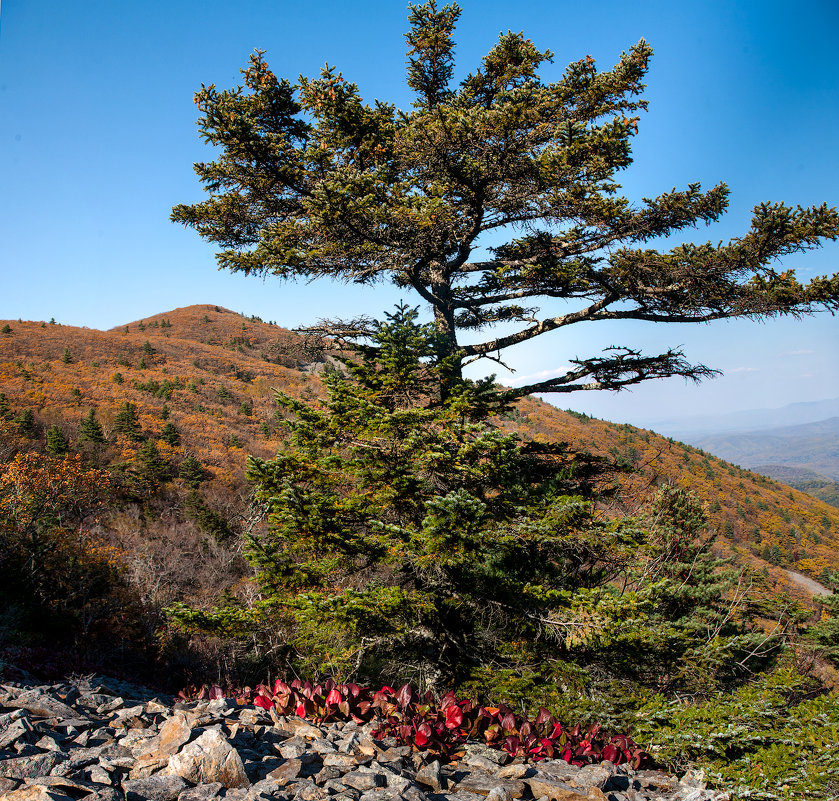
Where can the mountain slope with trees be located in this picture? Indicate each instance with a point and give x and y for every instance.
(171, 406)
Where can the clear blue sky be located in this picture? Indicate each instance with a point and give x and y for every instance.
(98, 140)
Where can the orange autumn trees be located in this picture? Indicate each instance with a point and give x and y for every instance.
(61, 585)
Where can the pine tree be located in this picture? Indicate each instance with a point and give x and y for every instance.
(66, 356)
(127, 422)
(170, 434)
(56, 442)
(312, 182)
(152, 467)
(410, 537)
(191, 471)
(90, 429)
(25, 421)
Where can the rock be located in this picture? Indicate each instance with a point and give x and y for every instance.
(499, 793)
(174, 733)
(202, 792)
(494, 755)
(430, 776)
(557, 769)
(154, 788)
(515, 771)
(341, 761)
(326, 774)
(99, 775)
(311, 792)
(479, 762)
(286, 772)
(37, 792)
(301, 728)
(555, 790)
(591, 776)
(210, 758)
(694, 778)
(482, 783)
(7, 785)
(47, 743)
(42, 705)
(18, 730)
(30, 767)
(364, 781)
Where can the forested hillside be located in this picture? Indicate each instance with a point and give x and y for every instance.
(182, 398)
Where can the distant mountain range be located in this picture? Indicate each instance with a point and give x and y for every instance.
(691, 429)
(811, 446)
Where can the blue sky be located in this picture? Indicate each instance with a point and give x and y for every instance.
(98, 140)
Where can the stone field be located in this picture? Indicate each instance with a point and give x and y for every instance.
(102, 739)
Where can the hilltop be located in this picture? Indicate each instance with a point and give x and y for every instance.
(201, 380)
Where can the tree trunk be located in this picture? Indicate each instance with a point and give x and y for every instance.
(444, 320)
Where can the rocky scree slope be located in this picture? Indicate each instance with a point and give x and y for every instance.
(101, 739)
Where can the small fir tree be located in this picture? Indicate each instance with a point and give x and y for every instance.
(152, 467)
(127, 422)
(191, 471)
(90, 429)
(56, 442)
(170, 435)
(25, 420)
(410, 537)
(66, 356)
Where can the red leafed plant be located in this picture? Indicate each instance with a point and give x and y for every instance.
(439, 727)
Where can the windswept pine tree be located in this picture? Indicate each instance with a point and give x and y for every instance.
(311, 181)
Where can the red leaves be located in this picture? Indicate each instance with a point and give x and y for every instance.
(442, 726)
(454, 717)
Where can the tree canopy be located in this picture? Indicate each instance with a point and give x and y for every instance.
(312, 181)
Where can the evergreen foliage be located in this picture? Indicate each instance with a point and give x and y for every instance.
(410, 538)
(25, 421)
(212, 523)
(56, 442)
(310, 181)
(152, 467)
(66, 356)
(127, 422)
(90, 429)
(170, 435)
(191, 471)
